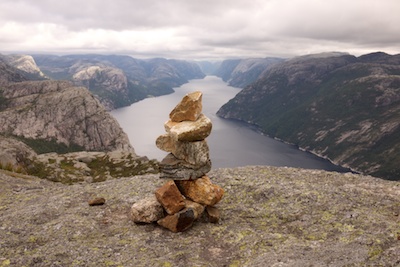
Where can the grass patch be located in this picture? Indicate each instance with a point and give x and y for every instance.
(41, 146)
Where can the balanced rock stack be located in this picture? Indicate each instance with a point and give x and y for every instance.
(188, 192)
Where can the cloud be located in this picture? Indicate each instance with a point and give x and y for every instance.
(200, 29)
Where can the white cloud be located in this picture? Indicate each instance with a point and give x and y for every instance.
(200, 29)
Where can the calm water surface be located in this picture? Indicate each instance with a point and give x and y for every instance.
(231, 143)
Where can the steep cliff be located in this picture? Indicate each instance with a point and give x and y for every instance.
(56, 111)
(109, 84)
(120, 80)
(25, 63)
(342, 107)
(242, 72)
(9, 74)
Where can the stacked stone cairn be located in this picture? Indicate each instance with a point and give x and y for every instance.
(188, 193)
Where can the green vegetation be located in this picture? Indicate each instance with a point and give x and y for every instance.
(11, 168)
(38, 169)
(102, 167)
(3, 101)
(69, 169)
(42, 146)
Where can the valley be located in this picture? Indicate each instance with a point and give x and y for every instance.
(340, 107)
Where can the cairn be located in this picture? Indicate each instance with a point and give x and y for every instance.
(188, 192)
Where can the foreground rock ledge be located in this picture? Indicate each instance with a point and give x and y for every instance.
(271, 216)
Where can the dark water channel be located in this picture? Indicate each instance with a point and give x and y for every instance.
(231, 143)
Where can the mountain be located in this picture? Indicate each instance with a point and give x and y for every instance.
(119, 80)
(9, 73)
(208, 67)
(24, 63)
(242, 72)
(59, 111)
(44, 116)
(340, 107)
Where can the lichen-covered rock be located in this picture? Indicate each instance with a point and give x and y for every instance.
(170, 197)
(147, 210)
(177, 169)
(271, 217)
(189, 109)
(190, 131)
(201, 190)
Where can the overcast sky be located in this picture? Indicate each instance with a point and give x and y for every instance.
(200, 29)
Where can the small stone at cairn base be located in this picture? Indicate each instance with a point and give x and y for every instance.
(147, 210)
(213, 214)
(178, 222)
(197, 208)
(170, 197)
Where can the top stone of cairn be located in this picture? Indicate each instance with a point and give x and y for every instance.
(189, 109)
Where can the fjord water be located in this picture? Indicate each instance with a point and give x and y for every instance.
(231, 143)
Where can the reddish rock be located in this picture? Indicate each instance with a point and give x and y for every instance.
(197, 208)
(147, 210)
(213, 214)
(190, 131)
(170, 197)
(97, 201)
(189, 109)
(179, 221)
(202, 191)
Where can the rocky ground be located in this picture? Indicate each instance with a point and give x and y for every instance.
(270, 217)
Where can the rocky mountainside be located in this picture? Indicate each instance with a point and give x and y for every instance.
(46, 116)
(25, 63)
(242, 72)
(341, 107)
(119, 80)
(60, 112)
(9, 73)
(269, 217)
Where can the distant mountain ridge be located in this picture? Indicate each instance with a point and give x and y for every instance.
(341, 107)
(242, 72)
(25, 63)
(119, 80)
